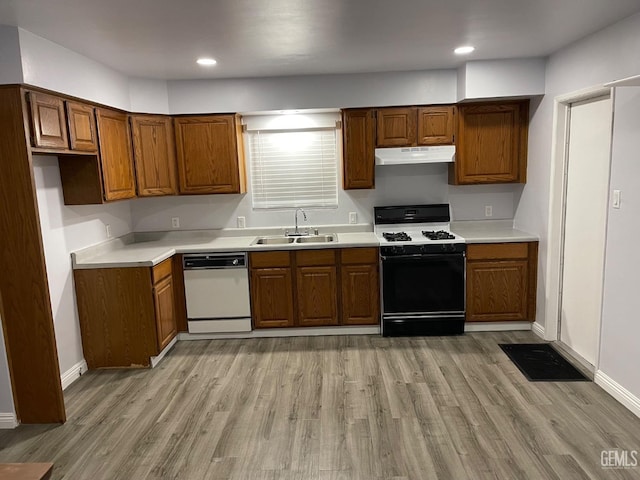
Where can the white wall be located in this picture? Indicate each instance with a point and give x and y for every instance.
(148, 96)
(314, 91)
(619, 354)
(48, 65)
(64, 229)
(607, 55)
(399, 184)
(10, 63)
(6, 399)
(501, 78)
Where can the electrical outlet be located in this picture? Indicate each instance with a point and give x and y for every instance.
(175, 222)
(107, 227)
(488, 211)
(242, 222)
(353, 217)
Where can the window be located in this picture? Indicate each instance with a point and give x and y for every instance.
(294, 168)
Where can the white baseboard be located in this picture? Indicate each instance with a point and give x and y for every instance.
(284, 332)
(617, 391)
(156, 360)
(496, 326)
(538, 329)
(73, 373)
(8, 421)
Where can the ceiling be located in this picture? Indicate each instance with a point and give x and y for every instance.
(255, 38)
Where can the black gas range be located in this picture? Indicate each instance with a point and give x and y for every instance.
(423, 271)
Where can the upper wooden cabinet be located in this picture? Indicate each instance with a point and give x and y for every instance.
(492, 143)
(358, 145)
(396, 127)
(154, 154)
(116, 159)
(501, 281)
(436, 125)
(48, 121)
(210, 154)
(82, 127)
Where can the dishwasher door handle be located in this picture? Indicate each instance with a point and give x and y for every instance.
(207, 261)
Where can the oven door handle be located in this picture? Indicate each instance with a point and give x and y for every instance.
(422, 255)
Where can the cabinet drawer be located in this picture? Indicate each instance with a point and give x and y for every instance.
(161, 270)
(354, 256)
(269, 259)
(489, 251)
(308, 258)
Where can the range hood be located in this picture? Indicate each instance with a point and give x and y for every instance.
(408, 155)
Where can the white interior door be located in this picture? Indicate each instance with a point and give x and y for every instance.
(585, 225)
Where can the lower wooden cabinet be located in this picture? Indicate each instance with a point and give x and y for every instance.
(360, 286)
(501, 281)
(312, 288)
(127, 315)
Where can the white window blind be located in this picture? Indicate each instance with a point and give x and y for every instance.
(294, 168)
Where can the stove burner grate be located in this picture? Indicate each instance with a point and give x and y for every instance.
(439, 235)
(396, 237)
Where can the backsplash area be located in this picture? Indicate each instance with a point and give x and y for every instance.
(399, 184)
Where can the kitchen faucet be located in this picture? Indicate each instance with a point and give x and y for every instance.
(304, 215)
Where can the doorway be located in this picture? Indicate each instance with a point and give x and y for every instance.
(578, 219)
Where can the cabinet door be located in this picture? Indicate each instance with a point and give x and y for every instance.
(492, 143)
(82, 127)
(497, 290)
(154, 154)
(48, 123)
(165, 311)
(396, 127)
(317, 296)
(272, 297)
(358, 148)
(435, 125)
(360, 295)
(208, 158)
(115, 154)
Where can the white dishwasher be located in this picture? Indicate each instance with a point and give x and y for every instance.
(216, 287)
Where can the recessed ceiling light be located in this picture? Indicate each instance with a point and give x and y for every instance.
(464, 50)
(206, 62)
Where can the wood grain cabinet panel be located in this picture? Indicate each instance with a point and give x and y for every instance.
(163, 299)
(317, 296)
(358, 148)
(501, 287)
(492, 144)
(436, 125)
(272, 297)
(116, 158)
(210, 155)
(127, 315)
(396, 127)
(82, 127)
(154, 155)
(360, 294)
(48, 121)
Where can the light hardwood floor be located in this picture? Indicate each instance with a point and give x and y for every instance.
(331, 408)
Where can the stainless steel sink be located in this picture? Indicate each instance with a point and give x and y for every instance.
(330, 237)
(278, 240)
(273, 240)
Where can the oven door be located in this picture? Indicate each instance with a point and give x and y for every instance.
(423, 285)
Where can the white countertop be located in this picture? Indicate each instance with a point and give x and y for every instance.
(491, 231)
(150, 248)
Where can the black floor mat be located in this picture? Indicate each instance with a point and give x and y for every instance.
(540, 362)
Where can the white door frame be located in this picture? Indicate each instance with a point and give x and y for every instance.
(557, 202)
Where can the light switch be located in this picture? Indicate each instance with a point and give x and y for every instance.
(616, 199)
